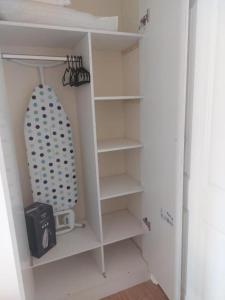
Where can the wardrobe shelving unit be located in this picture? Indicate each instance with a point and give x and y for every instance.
(117, 115)
(108, 229)
(129, 140)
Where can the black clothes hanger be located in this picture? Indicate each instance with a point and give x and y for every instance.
(83, 76)
(75, 73)
(67, 73)
(73, 77)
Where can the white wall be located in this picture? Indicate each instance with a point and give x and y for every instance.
(130, 15)
(126, 10)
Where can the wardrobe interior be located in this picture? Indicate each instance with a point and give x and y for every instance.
(105, 119)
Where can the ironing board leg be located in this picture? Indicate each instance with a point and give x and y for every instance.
(65, 221)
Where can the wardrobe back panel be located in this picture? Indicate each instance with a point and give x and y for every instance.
(108, 73)
(120, 162)
(131, 78)
(133, 163)
(19, 93)
(116, 73)
(110, 120)
(112, 163)
(118, 119)
(115, 204)
(132, 119)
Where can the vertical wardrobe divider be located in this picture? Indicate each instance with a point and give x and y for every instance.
(123, 224)
(88, 136)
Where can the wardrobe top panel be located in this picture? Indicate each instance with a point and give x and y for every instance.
(35, 35)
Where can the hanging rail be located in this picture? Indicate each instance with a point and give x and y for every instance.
(33, 57)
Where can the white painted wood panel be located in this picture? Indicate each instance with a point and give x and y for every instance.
(98, 255)
(207, 190)
(78, 277)
(114, 98)
(122, 81)
(110, 120)
(117, 42)
(33, 35)
(109, 145)
(40, 35)
(77, 241)
(60, 280)
(132, 118)
(11, 286)
(15, 248)
(108, 73)
(122, 258)
(115, 204)
(118, 185)
(86, 115)
(163, 56)
(112, 163)
(125, 268)
(133, 164)
(161, 138)
(131, 71)
(119, 226)
(118, 119)
(188, 141)
(214, 264)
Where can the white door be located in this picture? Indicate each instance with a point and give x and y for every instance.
(163, 82)
(206, 245)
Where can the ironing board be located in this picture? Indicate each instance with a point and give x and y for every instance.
(51, 154)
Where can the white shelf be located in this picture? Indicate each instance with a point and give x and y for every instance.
(110, 145)
(35, 35)
(41, 35)
(118, 98)
(119, 226)
(77, 241)
(78, 277)
(117, 41)
(65, 277)
(118, 185)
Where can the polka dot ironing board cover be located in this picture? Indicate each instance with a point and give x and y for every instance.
(50, 150)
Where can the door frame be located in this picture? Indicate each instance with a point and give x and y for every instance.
(204, 43)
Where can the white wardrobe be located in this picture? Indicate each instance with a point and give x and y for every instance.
(128, 128)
